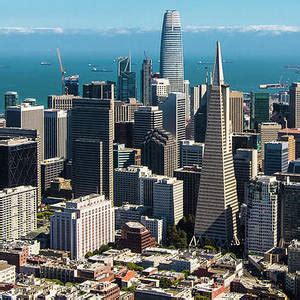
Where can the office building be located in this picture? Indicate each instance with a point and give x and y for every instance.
(159, 152)
(262, 215)
(191, 153)
(236, 111)
(217, 204)
(146, 79)
(72, 85)
(2, 123)
(291, 145)
(155, 226)
(246, 140)
(290, 211)
(295, 132)
(124, 111)
(260, 108)
(99, 90)
(88, 167)
(10, 99)
(171, 51)
(56, 133)
(83, 225)
(294, 106)
(294, 256)
(126, 79)
(146, 188)
(51, 169)
(94, 119)
(173, 109)
(129, 213)
(294, 166)
(27, 117)
(19, 162)
(168, 200)
(127, 184)
(268, 133)
(64, 102)
(245, 169)
(186, 91)
(190, 175)
(146, 118)
(136, 237)
(7, 273)
(124, 133)
(18, 209)
(276, 157)
(124, 157)
(160, 90)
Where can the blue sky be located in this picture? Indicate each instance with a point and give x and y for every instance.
(100, 14)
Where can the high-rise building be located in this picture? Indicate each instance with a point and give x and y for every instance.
(124, 111)
(174, 115)
(146, 118)
(155, 226)
(160, 90)
(124, 157)
(295, 132)
(168, 200)
(126, 79)
(294, 106)
(50, 170)
(94, 119)
(262, 215)
(2, 123)
(294, 256)
(124, 133)
(245, 168)
(260, 108)
(146, 79)
(88, 167)
(64, 102)
(276, 157)
(191, 153)
(291, 145)
(159, 152)
(56, 133)
(72, 85)
(186, 90)
(99, 90)
(83, 225)
(294, 166)
(27, 117)
(268, 133)
(10, 99)
(246, 140)
(290, 211)
(190, 175)
(171, 51)
(146, 188)
(19, 162)
(236, 111)
(217, 204)
(127, 184)
(18, 209)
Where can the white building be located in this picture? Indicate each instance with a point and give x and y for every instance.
(160, 89)
(262, 214)
(17, 212)
(191, 153)
(186, 88)
(7, 272)
(168, 200)
(83, 225)
(155, 226)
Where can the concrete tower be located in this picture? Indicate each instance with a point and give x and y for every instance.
(217, 205)
(171, 51)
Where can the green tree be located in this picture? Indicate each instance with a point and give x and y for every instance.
(165, 283)
(134, 267)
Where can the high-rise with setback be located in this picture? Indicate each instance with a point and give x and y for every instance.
(217, 205)
(146, 81)
(171, 51)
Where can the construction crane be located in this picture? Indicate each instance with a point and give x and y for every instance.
(62, 70)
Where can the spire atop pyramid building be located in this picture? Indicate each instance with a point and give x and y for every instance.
(218, 75)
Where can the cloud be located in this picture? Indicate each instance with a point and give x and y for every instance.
(113, 31)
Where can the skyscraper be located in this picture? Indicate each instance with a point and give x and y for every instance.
(159, 152)
(72, 85)
(10, 99)
(160, 90)
(217, 205)
(171, 51)
(191, 153)
(93, 119)
(294, 107)
(236, 111)
(126, 79)
(146, 118)
(99, 89)
(56, 133)
(146, 81)
(260, 108)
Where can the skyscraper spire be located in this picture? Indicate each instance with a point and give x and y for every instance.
(218, 75)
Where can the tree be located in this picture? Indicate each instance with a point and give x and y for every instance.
(165, 283)
(134, 267)
(88, 254)
(177, 238)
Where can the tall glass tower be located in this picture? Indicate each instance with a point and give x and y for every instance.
(171, 51)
